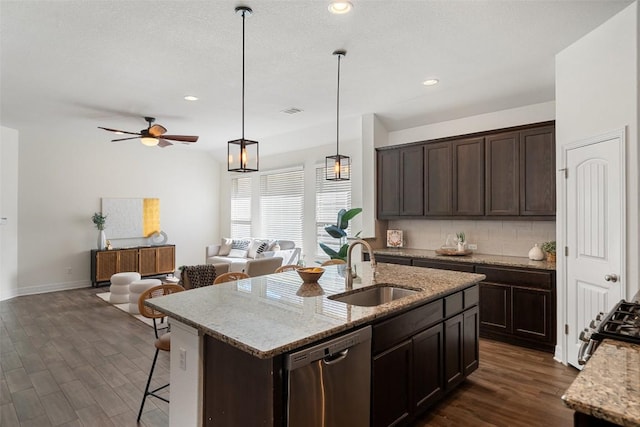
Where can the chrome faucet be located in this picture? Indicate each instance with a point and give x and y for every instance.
(348, 278)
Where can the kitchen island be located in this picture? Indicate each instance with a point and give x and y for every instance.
(229, 341)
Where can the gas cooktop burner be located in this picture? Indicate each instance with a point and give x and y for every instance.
(622, 323)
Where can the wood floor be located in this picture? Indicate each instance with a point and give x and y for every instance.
(70, 359)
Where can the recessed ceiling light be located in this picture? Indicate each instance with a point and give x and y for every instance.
(340, 7)
(191, 98)
(430, 82)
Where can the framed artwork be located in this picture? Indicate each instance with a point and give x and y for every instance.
(394, 238)
(128, 218)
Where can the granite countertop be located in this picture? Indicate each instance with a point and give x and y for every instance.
(271, 315)
(609, 385)
(509, 261)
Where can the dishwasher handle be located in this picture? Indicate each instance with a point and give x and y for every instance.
(335, 358)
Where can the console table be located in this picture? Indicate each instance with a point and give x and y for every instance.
(146, 260)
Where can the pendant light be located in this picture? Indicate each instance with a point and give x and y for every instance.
(338, 167)
(242, 153)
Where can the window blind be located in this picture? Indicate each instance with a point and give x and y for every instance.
(331, 196)
(241, 207)
(282, 205)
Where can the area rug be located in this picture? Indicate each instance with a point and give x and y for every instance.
(125, 307)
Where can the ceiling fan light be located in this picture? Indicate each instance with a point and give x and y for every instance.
(340, 7)
(149, 141)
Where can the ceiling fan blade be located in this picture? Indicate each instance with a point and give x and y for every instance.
(119, 131)
(157, 130)
(181, 138)
(163, 143)
(124, 139)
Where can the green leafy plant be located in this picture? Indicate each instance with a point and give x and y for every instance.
(549, 247)
(337, 231)
(461, 237)
(99, 220)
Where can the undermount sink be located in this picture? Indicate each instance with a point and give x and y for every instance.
(373, 296)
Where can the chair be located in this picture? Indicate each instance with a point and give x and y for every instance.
(288, 267)
(231, 276)
(162, 342)
(333, 262)
(262, 266)
(197, 276)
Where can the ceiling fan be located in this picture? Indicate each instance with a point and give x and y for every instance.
(153, 135)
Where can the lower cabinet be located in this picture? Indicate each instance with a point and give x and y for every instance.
(518, 306)
(418, 357)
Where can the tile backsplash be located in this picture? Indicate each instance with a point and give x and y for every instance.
(508, 238)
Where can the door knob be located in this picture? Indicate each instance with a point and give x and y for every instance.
(611, 278)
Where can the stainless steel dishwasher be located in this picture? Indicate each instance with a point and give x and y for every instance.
(329, 384)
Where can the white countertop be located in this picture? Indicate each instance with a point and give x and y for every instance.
(268, 315)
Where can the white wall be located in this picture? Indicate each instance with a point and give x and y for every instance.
(8, 210)
(597, 92)
(61, 182)
(495, 120)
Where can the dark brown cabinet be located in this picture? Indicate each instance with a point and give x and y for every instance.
(388, 194)
(392, 379)
(502, 166)
(520, 173)
(420, 355)
(400, 178)
(538, 171)
(411, 181)
(518, 306)
(438, 182)
(468, 177)
(507, 174)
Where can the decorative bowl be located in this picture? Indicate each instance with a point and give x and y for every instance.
(310, 274)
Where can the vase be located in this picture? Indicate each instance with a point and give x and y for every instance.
(102, 240)
(535, 253)
(461, 246)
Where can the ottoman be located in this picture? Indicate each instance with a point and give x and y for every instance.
(119, 288)
(136, 289)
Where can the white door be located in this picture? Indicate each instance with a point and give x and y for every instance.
(595, 235)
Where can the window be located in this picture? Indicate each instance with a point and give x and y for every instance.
(282, 205)
(331, 196)
(240, 207)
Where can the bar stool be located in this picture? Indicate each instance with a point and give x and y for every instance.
(162, 342)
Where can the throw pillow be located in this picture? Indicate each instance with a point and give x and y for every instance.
(257, 247)
(237, 253)
(225, 247)
(253, 248)
(240, 244)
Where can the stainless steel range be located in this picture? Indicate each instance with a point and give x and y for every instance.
(622, 323)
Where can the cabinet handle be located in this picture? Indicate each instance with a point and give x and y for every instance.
(611, 278)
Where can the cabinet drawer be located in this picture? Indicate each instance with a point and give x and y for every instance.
(392, 331)
(443, 265)
(528, 278)
(453, 304)
(393, 259)
(471, 296)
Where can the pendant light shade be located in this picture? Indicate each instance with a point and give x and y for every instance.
(338, 167)
(242, 153)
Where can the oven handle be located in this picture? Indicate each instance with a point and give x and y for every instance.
(585, 352)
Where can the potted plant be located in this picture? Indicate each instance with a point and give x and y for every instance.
(549, 249)
(337, 231)
(99, 220)
(461, 241)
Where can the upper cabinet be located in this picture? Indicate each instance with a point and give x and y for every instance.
(508, 173)
(401, 181)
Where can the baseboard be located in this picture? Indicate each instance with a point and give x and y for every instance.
(51, 287)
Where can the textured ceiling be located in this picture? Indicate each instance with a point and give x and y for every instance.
(70, 66)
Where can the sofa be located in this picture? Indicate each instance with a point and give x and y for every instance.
(236, 252)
